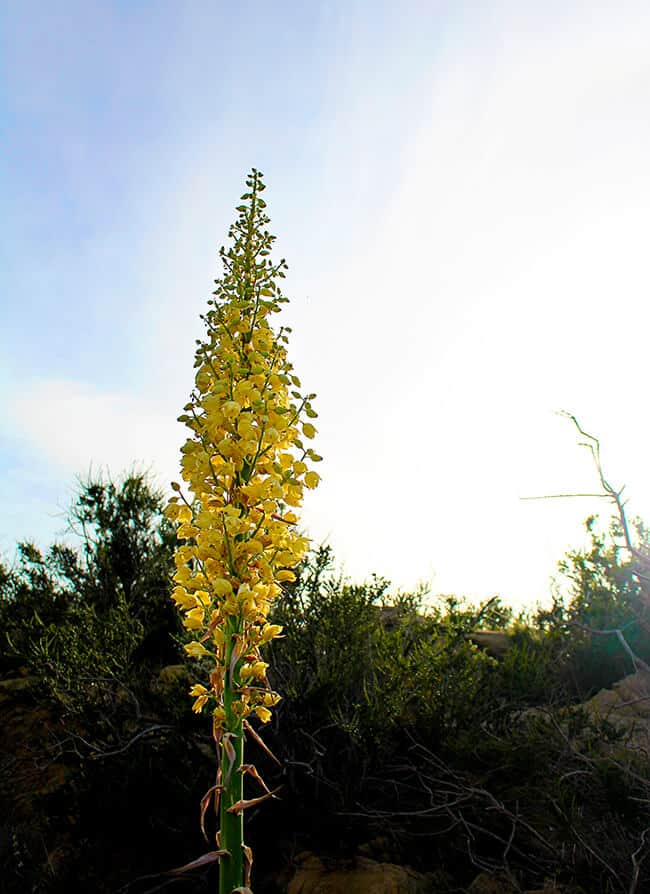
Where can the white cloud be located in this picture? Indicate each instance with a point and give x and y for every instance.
(75, 428)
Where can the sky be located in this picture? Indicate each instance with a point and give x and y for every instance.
(462, 193)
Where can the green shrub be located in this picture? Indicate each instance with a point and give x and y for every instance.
(603, 595)
(83, 661)
(116, 580)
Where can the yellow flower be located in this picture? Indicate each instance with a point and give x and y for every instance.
(194, 619)
(312, 479)
(184, 514)
(195, 650)
(269, 632)
(183, 599)
(200, 693)
(221, 587)
(186, 531)
(231, 409)
(198, 704)
(203, 597)
(256, 671)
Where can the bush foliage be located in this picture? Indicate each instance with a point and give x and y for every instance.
(399, 725)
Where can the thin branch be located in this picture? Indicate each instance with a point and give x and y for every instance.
(636, 863)
(618, 633)
(564, 496)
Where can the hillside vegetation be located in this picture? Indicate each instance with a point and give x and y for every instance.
(454, 738)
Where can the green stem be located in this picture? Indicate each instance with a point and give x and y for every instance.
(231, 868)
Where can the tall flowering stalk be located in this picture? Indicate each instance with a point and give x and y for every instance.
(245, 465)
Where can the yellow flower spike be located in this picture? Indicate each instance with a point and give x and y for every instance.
(243, 465)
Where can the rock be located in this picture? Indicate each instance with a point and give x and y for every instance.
(626, 706)
(16, 684)
(378, 849)
(30, 760)
(174, 677)
(361, 876)
(489, 883)
(495, 642)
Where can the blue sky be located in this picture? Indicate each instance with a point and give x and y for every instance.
(462, 193)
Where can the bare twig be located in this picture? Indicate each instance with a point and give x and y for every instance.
(618, 632)
(636, 863)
